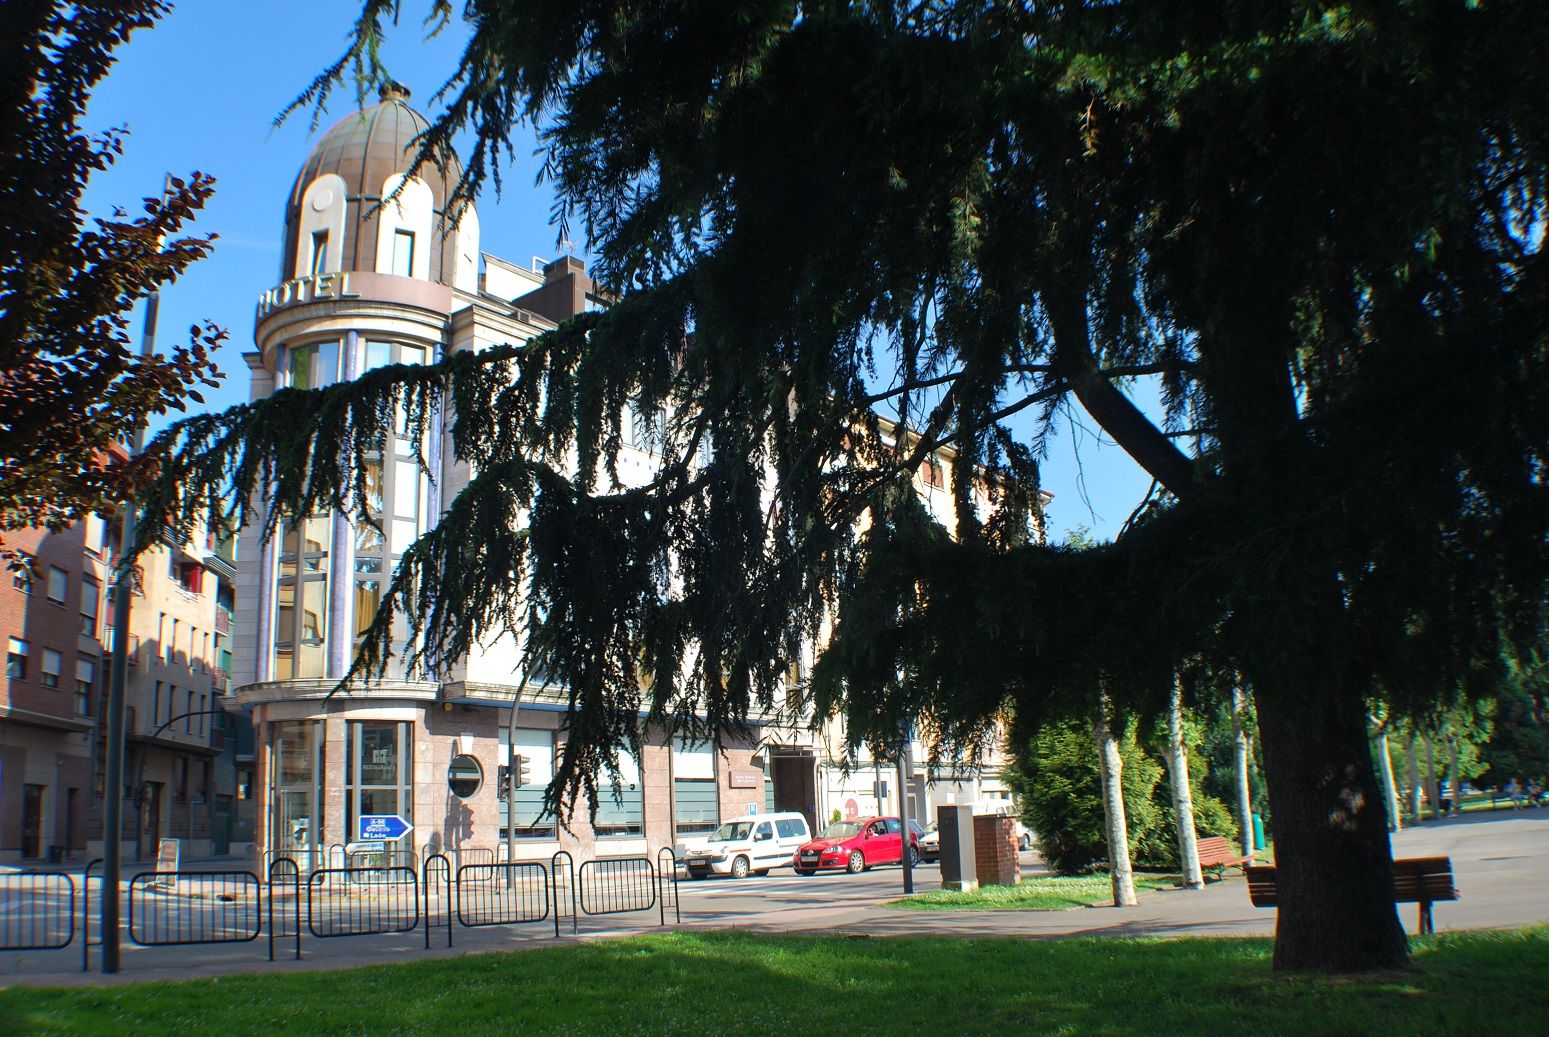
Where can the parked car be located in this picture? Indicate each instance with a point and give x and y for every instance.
(756, 843)
(930, 842)
(855, 846)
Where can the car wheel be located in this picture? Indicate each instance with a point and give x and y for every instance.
(739, 868)
(914, 856)
(857, 862)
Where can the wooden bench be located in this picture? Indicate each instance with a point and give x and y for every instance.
(1416, 880)
(1216, 855)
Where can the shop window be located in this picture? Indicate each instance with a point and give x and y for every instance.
(696, 801)
(58, 585)
(16, 659)
(532, 821)
(53, 665)
(379, 771)
(621, 801)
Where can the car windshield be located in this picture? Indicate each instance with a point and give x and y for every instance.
(842, 830)
(932, 826)
(731, 831)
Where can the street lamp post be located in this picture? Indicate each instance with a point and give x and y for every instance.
(123, 592)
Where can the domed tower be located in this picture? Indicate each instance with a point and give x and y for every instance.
(350, 208)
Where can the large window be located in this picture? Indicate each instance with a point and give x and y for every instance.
(85, 679)
(403, 253)
(696, 802)
(296, 761)
(90, 593)
(532, 821)
(16, 659)
(621, 807)
(313, 366)
(379, 775)
(58, 585)
(301, 597)
(53, 666)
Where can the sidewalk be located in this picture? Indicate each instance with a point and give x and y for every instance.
(1498, 862)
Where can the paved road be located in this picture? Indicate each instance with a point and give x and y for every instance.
(1499, 860)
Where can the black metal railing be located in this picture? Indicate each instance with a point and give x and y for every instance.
(37, 911)
(502, 894)
(337, 905)
(438, 883)
(175, 908)
(282, 873)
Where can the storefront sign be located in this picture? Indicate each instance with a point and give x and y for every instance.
(305, 289)
(746, 779)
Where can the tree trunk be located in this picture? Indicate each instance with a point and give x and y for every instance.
(1183, 799)
(1244, 787)
(1389, 789)
(1114, 818)
(1432, 788)
(1452, 775)
(1414, 781)
(1334, 864)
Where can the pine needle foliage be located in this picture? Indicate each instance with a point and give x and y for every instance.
(1318, 228)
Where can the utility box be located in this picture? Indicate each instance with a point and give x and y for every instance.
(955, 826)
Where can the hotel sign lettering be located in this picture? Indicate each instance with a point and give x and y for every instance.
(305, 289)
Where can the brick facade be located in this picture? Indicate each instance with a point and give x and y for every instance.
(995, 851)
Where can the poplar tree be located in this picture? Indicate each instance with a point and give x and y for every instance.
(1318, 227)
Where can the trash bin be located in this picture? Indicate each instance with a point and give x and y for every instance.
(56, 854)
(1258, 832)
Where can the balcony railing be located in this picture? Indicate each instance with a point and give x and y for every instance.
(222, 620)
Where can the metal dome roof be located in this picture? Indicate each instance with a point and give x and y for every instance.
(364, 149)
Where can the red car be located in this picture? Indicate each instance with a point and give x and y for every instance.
(855, 846)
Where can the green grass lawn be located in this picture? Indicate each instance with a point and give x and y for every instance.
(1464, 983)
(1036, 893)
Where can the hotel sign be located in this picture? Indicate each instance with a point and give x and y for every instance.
(305, 289)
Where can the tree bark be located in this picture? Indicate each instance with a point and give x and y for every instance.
(1334, 864)
(1183, 798)
(1114, 819)
(1452, 775)
(1244, 787)
(1432, 788)
(1389, 789)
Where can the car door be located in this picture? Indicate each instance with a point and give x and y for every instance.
(895, 839)
(766, 850)
(879, 849)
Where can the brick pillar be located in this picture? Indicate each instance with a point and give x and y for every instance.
(995, 851)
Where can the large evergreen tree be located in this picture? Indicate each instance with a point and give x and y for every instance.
(1319, 226)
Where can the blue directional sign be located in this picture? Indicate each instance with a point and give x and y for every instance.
(383, 826)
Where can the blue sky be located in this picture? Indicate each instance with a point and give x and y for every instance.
(201, 91)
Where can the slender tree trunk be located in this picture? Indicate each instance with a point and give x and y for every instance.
(1389, 789)
(1244, 786)
(1432, 787)
(1114, 818)
(1452, 774)
(1414, 780)
(1183, 798)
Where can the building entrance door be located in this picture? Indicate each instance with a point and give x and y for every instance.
(796, 786)
(220, 826)
(32, 820)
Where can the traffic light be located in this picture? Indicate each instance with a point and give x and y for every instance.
(519, 772)
(503, 782)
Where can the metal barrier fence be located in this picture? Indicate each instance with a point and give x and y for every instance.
(173, 908)
(337, 906)
(37, 911)
(284, 871)
(502, 894)
(365, 864)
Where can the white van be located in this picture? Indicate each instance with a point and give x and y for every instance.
(758, 842)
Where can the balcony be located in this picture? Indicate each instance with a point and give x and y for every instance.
(222, 620)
